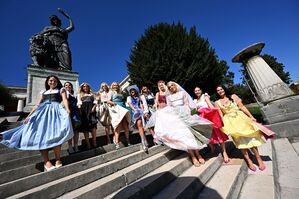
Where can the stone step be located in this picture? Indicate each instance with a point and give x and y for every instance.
(119, 179)
(20, 183)
(76, 180)
(155, 181)
(5, 150)
(260, 184)
(285, 169)
(27, 157)
(36, 158)
(17, 155)
(191, 181)
(228, 180)
(296, 147)
(34, 168)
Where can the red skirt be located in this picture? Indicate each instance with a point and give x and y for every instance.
(213, 115)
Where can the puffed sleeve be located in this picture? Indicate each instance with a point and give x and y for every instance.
(207, 95)
(236, 99)
(62, 90)
(41, 93)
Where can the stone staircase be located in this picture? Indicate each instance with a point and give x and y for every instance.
(129, 172)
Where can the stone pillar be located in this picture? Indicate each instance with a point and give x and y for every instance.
(36, 77)
(267, 83)
(20, 106)
(280, 105)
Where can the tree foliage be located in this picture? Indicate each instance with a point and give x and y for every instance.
(169, 52)
(6, 97)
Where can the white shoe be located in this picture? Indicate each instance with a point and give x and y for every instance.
(49, 169)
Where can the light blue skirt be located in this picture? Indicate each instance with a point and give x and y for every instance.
(49, 126)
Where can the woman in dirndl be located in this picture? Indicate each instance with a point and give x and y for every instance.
(104, 95)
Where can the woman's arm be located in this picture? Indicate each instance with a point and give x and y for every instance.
(95, 104)
(79, 103)
(129, 103)
(65, 102)
(157, 101)
(208, 101)
(219, 110)
(34, 108)
(241, 106)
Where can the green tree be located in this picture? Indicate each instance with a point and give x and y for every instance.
(169, 52)
(6, 97)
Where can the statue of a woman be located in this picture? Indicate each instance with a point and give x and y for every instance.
(58, 52)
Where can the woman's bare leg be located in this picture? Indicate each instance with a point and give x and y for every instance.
(258, 158)
(193, 158)
(224, 153)
(248, 160)
(199, 157)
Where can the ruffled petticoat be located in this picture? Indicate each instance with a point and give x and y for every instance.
(176, 128)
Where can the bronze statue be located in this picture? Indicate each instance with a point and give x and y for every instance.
(50, 48)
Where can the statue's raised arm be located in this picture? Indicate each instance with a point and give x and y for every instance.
(71, 26)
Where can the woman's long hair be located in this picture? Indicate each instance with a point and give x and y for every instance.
(72, 91)
(115, 83)
(101, 87)
(81, 91)
(227, 93)
(59, 84)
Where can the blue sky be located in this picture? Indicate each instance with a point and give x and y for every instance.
(105, 31)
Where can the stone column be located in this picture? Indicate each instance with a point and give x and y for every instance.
(280, 105)
(268, 85)
(20, 105)
(36, 77)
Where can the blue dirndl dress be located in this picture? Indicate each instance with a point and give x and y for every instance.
(49, 126)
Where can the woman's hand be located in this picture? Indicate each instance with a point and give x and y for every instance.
(26, 120)
(146, 116)
(253, 119)
(68, 111)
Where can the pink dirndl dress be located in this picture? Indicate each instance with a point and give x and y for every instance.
(213, 115)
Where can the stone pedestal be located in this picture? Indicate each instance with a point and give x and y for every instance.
(280, 105)
(36, 77)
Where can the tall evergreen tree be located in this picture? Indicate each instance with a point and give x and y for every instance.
(169, 52)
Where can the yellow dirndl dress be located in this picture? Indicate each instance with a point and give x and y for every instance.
(240, 127)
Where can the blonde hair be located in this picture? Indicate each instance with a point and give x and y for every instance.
(115, 83)
(174, 84)
(101, 87)
(81, 91)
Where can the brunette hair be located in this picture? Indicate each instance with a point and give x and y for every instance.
(59, 85)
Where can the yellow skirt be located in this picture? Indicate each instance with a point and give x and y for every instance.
(243, 130)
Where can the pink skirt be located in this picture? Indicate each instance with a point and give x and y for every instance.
(213, 115)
